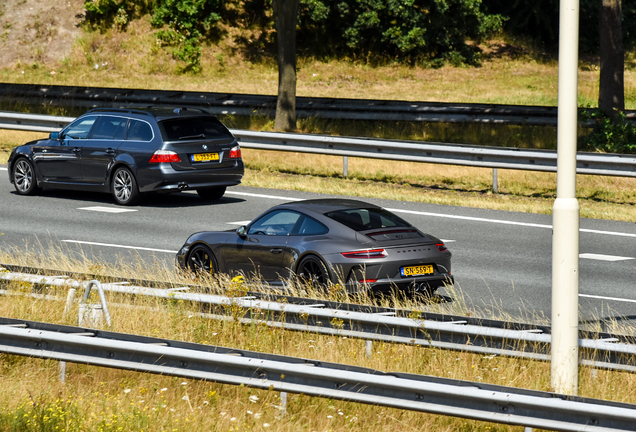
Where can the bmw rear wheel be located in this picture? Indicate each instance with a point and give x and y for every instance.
(24, 177)
(213, 193)
(313, 271)
(124, 187)
(201, 260)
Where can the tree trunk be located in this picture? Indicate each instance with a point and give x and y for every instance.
(286, 16)
(611, 95)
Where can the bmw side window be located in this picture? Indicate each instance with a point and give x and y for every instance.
(310, 226)
(108, 127)
(139, 131)
(277, 223)
(80, 129)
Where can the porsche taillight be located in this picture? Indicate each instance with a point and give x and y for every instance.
(365, 254)
(442, 247)
(161, 156)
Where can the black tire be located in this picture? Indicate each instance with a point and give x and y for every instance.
(313, 271)
(24, 177)
(124, 187)
(201, 260)
(214, 193)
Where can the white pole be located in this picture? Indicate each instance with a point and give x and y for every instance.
(565, 217)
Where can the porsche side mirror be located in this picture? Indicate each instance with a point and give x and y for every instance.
(241, 231)
(54, 135)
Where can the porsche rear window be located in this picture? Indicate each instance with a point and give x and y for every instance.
(193, 128)
(368, 219)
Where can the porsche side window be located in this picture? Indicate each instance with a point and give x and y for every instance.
(80, 129)
(310, 226)
(277, 223)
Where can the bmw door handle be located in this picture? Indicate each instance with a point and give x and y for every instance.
(77, 150)
(276, 251)
(110, 151)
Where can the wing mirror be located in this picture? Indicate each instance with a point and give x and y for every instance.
(241, 231)
(54, 135)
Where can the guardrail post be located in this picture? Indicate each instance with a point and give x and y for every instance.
(67, 308)
(93, 314)
(495, 182)
(369, 347)
(345, 166)
(283, 403)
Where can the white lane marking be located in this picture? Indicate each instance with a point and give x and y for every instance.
(447, 216)
(107, 209)
(119, 246)
(448, 241)
(600, 257)
(264, 196)
(4, 169)
(607, 298)
(239, 222)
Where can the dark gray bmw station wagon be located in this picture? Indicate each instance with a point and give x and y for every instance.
(129, 152)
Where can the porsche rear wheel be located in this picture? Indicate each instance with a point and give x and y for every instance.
(201, 260)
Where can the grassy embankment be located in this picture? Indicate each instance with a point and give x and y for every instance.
(102, 399)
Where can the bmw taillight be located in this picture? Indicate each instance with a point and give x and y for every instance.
(365, 254)
(235, 153)
(442, 247)
(161, 156)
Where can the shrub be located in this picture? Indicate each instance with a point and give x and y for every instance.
(617, 136)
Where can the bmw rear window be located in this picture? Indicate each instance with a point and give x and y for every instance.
(193, 128)
(368, 219)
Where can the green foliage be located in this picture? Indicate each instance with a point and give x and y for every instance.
(539, 20)
(189, 22)
(431, 32)
(104, 14)
(618, 136)
(425, 30)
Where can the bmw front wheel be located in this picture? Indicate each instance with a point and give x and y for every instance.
(24, 177)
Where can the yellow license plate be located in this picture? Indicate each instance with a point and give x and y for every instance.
(416, 270)
(204, 157)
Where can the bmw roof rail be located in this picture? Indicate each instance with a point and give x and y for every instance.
(120, 110)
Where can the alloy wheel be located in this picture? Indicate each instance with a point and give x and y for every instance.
(23, 176)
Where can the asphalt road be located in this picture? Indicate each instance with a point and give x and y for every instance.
(501, 260)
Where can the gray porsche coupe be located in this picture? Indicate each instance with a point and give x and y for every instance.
(325, 241)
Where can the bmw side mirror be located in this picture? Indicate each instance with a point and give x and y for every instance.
(54, 135)
(241, 231)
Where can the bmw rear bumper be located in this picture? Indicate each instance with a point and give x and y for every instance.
(165, 178)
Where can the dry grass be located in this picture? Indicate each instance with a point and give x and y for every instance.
(95, 398)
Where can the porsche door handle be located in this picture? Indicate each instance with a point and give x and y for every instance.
(110, 151)
(276, 251)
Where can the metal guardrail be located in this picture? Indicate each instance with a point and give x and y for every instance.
(532, 342)
(411, 151)
(248, 105)
(464, 399)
